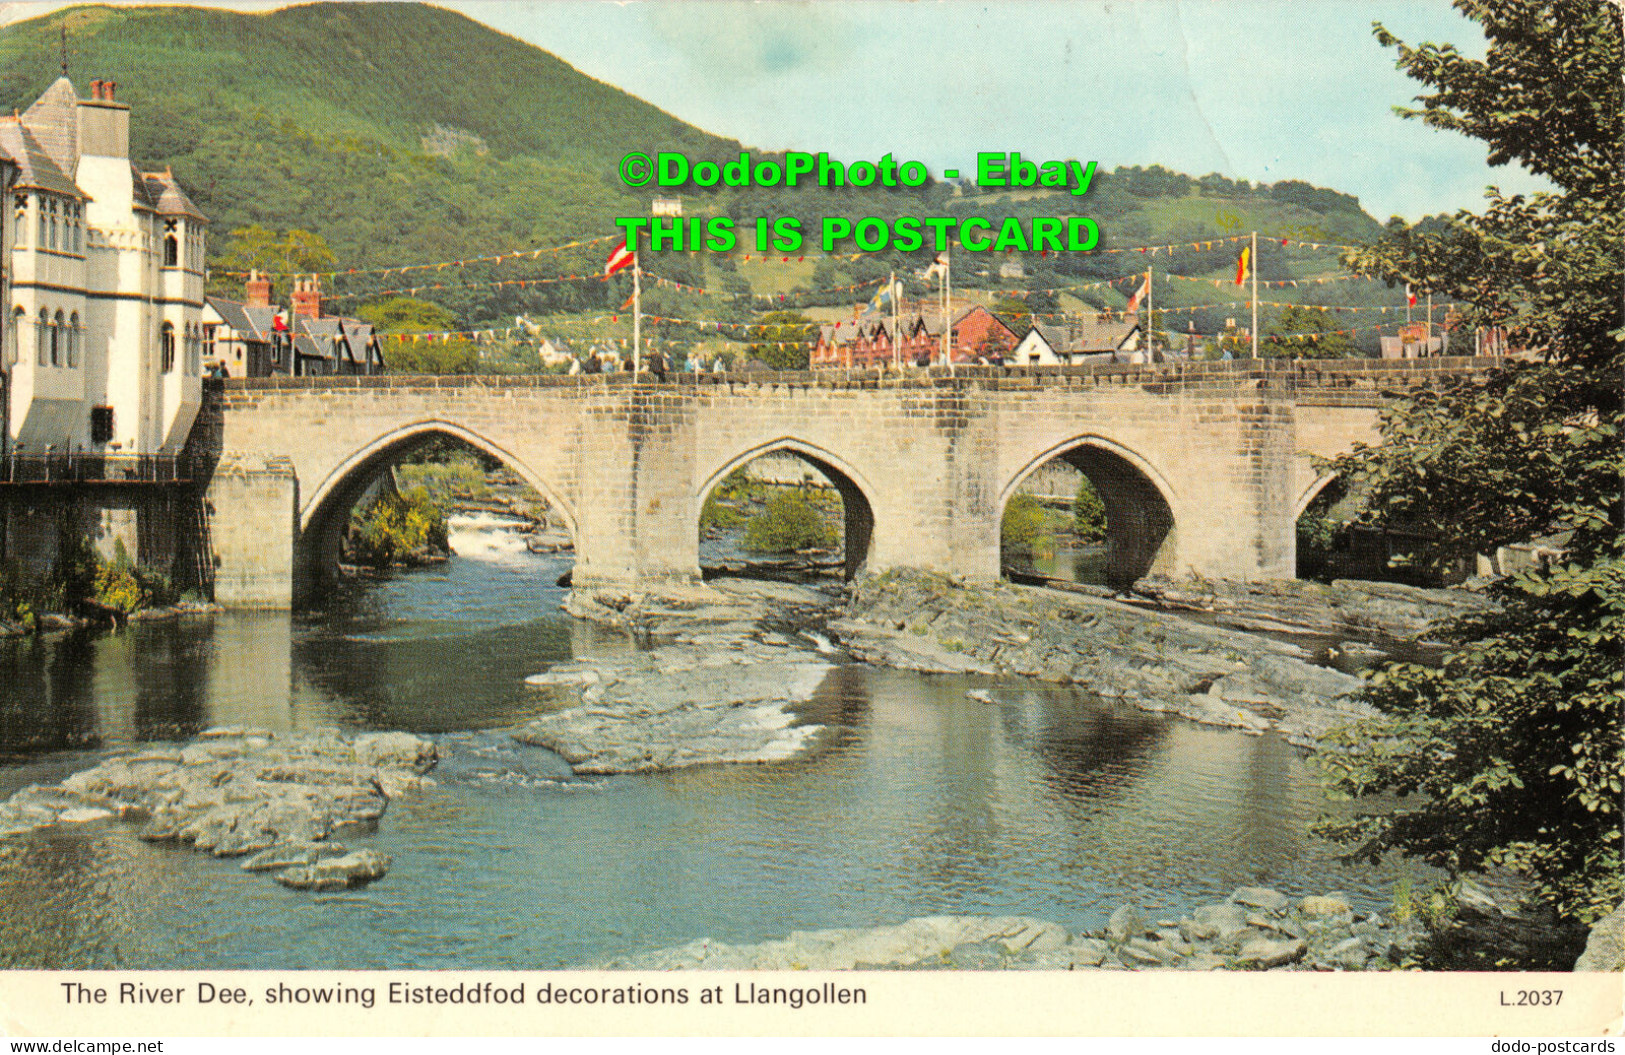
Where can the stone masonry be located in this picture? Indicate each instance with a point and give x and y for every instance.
(1204, 466)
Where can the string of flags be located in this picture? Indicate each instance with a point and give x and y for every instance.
(1293, 283)
(409, 291)
(672, 283)
(441, 265)
(525, 283)
(763, 258)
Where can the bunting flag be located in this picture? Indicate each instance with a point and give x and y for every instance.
(1244, 264)
(1139, 294)
(621, 258)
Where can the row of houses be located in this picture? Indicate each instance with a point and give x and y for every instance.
(914, 337)
(253, 337)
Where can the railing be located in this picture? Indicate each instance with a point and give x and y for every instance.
(28, 468)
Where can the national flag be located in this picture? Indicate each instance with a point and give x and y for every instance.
(1410, 298)
(883, 296)
(279, 321)
(939, 266)
(621, 258)
(1244, 265)
(1139, 295)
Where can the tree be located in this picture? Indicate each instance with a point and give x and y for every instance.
(255, 248)
(1088, 512)
(1514, 747)
(1303, 333)
(1015, 314)
(415, 337)
(783, 340)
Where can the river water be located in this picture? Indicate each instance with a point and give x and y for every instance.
(918, 800)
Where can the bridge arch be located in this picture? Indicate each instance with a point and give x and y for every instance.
(1312, 492)
(1139, 501)
(854, 489)
(323, 516)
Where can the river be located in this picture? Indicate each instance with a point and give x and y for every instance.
(918, 801)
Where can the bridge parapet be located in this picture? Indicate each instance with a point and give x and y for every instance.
(1308, 376)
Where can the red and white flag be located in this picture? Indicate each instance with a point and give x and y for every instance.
(621, 258)
(279, 321)
(1139, 295)
(1410, 298)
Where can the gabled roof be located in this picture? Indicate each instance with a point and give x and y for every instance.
(54, 120)
(35, 168)
(165, 195)
(233, 314)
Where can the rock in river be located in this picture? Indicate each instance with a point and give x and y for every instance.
(234, 792)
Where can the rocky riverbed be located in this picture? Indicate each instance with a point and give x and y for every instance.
(238, 792)
(719, 686)
(1154, 660)
(1346, 608)
(1255, 929)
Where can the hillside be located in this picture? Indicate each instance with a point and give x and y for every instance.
(400, 132)
(403, 133)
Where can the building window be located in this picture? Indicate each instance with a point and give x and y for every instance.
(74, 335)
(172, 251)
(208, 341)
(58, 326)
(101, 424)
(42, 338)
(14, 336)
(166, 345)
(39, 213)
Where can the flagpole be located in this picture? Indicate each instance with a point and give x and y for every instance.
(1427, 342)
(1150, 301)
(637, 317)
(947, 310)
(896, 334)
(1252, 260)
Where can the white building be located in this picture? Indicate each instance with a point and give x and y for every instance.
(1080, 341)
(105, 301)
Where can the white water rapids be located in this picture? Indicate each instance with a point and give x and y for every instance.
(486, 536)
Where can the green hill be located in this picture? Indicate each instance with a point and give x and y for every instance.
(403, 133)
(400, 132)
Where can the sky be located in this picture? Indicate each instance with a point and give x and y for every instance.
(1264, 90)
(1258, 89)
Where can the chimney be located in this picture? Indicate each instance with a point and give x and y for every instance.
(258, 290)
(307, 298)
(103, 126)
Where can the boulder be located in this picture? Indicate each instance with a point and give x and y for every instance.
(1605, 947)
(1265, 953)
(1125, 923)
(1317, 906)
(337, 873)
(395, 750)
(1261, 897)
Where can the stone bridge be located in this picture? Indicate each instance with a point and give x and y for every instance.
(1204, 467)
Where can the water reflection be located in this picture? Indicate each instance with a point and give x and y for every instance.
(919, 800)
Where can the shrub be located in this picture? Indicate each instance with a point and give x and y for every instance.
(789, 523)
(1088, 512)
(1022, 531)
(397, 526)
